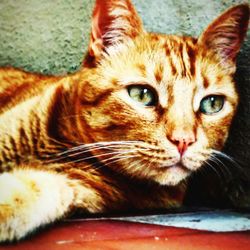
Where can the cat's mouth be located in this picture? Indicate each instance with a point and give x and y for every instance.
(185, 164)
(172, 174)
(179, 166)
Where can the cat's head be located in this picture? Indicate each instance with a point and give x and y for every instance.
(164, 102)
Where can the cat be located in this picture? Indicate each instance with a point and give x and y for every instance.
(125, 131)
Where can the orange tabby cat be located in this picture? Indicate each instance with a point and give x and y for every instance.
(124, 132)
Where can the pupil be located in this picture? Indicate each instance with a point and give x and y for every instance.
(143, 92)
(213, 102)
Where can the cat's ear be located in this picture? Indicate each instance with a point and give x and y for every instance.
(226, 33)
(113, 21)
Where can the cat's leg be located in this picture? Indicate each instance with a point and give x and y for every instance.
(32, 198)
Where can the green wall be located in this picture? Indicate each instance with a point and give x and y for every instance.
(48, 36)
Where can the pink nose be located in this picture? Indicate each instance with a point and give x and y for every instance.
(182, 141)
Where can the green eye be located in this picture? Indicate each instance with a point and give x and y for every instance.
(143, 95)
(211, 104)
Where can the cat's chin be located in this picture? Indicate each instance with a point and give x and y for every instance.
(173, 175)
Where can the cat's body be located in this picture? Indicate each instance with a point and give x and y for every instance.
(19, 148)
(118, 134)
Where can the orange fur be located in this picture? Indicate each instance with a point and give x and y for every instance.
(80, 141)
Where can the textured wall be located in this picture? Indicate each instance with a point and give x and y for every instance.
(44, 36)
(52, 36)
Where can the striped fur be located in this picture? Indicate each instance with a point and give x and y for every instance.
(80, 141)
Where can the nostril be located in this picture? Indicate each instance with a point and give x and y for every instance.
(189, 141)
(182, 143)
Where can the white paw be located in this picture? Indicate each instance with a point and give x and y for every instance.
(30, 199)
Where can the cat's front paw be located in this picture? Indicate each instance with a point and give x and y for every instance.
(30, 199)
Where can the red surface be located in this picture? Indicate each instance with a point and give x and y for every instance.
(109, 235)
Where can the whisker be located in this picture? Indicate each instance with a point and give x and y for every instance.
(97, 144)
(150, 163)
(131, 166)
(226, 174)
(222, 165)
(224, 155)
(137, 144)
(94, 155)
(63, 144)
(85, 148)
(80, 153)
(215, 170)
(100, 155)
(109, 161)
(112, 160)
(70, 116)
(233, 162)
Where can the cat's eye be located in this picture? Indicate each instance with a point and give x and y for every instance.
(143, 95)
(211, 104)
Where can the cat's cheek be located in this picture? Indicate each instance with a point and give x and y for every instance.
(217, 131)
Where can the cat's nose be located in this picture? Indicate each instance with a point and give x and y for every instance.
(182, 140)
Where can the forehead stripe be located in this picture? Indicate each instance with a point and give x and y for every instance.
(192, 58)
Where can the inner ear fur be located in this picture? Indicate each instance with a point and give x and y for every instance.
(226, 33)
(113, 21)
